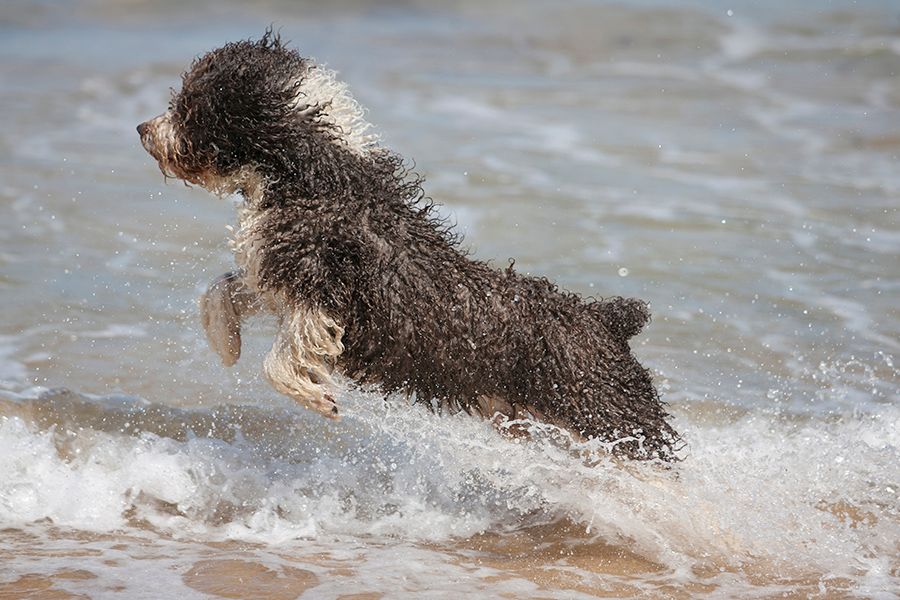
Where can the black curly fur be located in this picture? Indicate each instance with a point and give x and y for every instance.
(353, 234)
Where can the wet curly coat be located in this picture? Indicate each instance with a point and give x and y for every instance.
(337, 239)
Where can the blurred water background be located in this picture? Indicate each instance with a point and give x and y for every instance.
(736, 164)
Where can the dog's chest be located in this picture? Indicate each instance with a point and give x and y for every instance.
(248, 243)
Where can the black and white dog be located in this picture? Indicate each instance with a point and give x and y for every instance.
(337, 240)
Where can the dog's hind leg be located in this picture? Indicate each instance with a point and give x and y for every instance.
(303, 357)
(225, 303)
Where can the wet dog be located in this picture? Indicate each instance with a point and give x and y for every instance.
(337, 240)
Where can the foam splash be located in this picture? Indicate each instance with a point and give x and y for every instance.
(806, 494)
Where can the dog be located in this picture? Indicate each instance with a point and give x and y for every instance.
(337, 239)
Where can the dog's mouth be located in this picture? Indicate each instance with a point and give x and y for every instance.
(159, 140)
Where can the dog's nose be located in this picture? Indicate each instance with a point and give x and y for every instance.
(141, 129)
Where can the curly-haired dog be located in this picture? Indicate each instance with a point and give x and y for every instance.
(337, 240)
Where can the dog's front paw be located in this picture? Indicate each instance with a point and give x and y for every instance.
(331, 409)
(300, 389)
(306, 394)
(221, 319)
(323, 404)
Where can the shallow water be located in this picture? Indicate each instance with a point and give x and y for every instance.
(739, 171)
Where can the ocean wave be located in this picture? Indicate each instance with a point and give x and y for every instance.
(806, 494)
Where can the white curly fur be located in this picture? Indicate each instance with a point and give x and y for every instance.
(302, 359)
(320, 86)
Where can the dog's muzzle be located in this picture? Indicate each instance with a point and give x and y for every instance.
(158, 137)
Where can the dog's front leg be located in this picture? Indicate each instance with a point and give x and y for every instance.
(225, 303)
(303, 357)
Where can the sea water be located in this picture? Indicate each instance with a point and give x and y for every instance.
(736, 166)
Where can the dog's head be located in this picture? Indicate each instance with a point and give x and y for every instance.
(254, 107)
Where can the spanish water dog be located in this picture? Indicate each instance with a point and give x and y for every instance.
(337, 239)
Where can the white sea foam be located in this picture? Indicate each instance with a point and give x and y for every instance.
(809, 495)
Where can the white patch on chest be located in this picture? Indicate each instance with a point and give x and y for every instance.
(248, 243)
(321, 87)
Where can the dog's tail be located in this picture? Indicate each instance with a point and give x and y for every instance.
(624, 317)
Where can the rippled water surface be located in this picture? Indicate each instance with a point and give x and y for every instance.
(737, 166)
